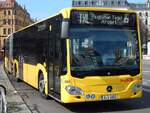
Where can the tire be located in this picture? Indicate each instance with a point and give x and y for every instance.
(41, 86)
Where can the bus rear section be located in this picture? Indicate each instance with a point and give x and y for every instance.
(104, 56)
(8, 54)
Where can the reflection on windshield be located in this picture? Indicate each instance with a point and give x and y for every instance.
(94, 48)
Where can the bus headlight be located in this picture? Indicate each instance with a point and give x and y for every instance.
(74, 90)
(137, 87)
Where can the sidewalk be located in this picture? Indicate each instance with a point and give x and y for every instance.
(15, 104)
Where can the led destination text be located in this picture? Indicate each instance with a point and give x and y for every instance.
(103, 18)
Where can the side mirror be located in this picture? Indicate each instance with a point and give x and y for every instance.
(3, 102)
(65, 29)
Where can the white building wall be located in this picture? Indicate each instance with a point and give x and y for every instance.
(145, 17)
(101, 3)
(148, 46)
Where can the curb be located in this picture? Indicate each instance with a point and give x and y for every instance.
(15, 103)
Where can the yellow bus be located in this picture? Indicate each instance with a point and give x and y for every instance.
(80, 55)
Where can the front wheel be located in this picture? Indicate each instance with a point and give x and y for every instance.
(41, 86)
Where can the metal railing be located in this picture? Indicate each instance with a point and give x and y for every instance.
(3, 102)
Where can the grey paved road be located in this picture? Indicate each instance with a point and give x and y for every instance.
(39, 105)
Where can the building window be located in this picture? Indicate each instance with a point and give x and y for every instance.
(4, 21)
(4, 31)
(5, 12)
(7, 4)
(9, 21)
(9, 31)
(79, 3)
(112, 3)
(146, 21)
(118, 3)
(140, 14)
(86, 3)
(16, 22)
(14, 12)
(126, 2)
(146, 14)
(9, 13)
(12, 21)
(12, 30)
(92, 3)
(105, 3)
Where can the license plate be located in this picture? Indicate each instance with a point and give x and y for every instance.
(108, 97)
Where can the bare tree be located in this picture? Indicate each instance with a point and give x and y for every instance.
(144, 36)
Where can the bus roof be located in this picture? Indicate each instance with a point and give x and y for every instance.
(67, 11)
(119, 9)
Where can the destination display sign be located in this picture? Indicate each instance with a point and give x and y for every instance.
(103, 18)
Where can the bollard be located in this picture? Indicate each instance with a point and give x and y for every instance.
(3, 102)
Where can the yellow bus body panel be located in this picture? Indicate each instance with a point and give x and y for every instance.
(6, 63)
(43, 70)
(25, 73)
(31, 72)
(15, 62)
(140, 47)
(122, 87)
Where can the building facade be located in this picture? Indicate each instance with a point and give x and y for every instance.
(142, 9)
(100, 3)
(12, 18)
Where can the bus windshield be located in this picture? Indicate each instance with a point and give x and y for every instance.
(103, 49)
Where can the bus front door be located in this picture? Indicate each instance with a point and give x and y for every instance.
(54, 66)
(54, 77)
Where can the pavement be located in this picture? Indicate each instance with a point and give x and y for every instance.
(15, 104)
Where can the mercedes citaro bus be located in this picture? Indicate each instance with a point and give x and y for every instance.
(79, 55)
